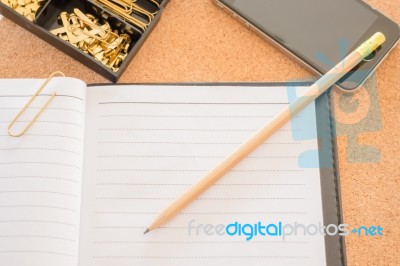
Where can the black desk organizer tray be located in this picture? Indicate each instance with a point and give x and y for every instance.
(48, 19)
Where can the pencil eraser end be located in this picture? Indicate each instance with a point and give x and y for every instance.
(371, 44)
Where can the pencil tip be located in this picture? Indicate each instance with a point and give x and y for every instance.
(147, 230)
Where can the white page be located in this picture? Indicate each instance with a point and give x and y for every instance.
(40, 174)
(145, 145)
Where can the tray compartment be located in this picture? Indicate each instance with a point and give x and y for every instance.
(90, 30)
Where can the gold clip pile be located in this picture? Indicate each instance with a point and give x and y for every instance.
(27, 8)
(125, 9)
(94, 37)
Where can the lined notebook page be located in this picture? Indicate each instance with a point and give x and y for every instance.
(145, 145)
(40, 174)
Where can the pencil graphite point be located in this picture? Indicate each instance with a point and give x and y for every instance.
(147, 230)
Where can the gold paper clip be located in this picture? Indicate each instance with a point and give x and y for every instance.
(109, 5)
(30, 123)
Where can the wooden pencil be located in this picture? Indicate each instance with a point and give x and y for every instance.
(315, 90)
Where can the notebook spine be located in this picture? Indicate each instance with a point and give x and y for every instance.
(335, 169)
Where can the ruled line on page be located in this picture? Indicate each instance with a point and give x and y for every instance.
(32, 191)
(38, 252)
(200, 257)
(198, 242)
(40, 177)
(48, 108)
(45, 122)
(182, 116)
(195, 170)
(42, 163)
(190, 156)
(38, 236)
(47, 136)
(190, 143)
(188, 184)
(43, 95)
(39, 221)
(45, 149)
(228, 198)
(199, 213)
(198, 103)
(40, 207)
(189, 129)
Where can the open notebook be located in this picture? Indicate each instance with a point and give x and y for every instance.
(80, 187)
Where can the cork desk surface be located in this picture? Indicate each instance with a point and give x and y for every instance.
(196, 42)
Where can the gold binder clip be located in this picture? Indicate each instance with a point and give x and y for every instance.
(30, 123)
